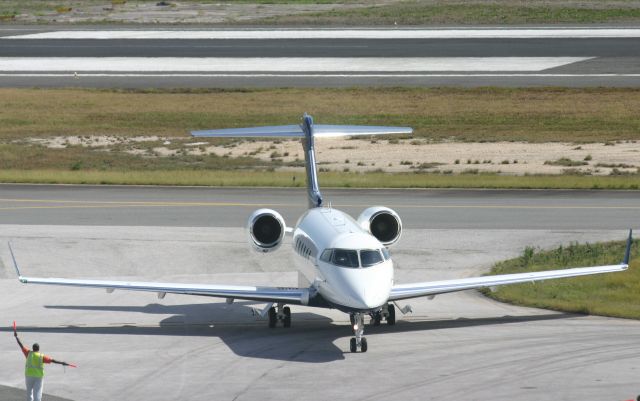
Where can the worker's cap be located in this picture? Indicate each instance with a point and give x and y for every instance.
(36, 347)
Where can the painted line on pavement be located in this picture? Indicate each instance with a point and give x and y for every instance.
(109, 204)
(282, 64)
(408, 75)
(471, 33)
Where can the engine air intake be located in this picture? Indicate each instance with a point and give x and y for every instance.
(383, 223)
(266, 230)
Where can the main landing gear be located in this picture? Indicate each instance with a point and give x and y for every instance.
(388, 313)
(282, 314)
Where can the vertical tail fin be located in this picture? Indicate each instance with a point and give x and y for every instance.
(307, 131)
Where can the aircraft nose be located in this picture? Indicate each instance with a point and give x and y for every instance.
(370, 296)
(367, 301)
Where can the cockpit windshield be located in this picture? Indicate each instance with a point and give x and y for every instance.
(370, 257)
(353, 258)
(345, 258)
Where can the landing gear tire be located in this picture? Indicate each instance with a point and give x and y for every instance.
(391, 318)
(363, 344)
(377, 318)
(358, 329)
(273, 317)
(287, 316)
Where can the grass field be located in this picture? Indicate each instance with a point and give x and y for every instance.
(402, 13)
(475, 115)
(201, 177)
(420, 13)
(614, 294)
(483, 114)
(503, 12)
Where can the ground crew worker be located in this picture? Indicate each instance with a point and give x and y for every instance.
(34, 369)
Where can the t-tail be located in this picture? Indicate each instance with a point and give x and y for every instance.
(308, 132)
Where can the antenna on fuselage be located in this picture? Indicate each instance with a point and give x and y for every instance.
(308, 132)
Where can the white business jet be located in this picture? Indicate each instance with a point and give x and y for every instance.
(343, 263)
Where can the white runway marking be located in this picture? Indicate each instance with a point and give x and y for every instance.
(282, 64)
(408, 75)
(459, 33)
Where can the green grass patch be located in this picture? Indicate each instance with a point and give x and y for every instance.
(564, 161)
(79, 174)
(613, 294)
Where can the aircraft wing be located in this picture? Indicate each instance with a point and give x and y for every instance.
(263, 294)
(430, 288)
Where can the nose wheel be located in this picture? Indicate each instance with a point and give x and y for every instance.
(359, 341)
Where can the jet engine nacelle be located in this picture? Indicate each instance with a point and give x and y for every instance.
(383, 223)
(266, 230)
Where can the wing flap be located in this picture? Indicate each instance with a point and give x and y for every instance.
(405, 291)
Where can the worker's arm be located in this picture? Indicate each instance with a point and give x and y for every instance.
(18, 340)
(24, 349)
(48, 359)
(51, 360)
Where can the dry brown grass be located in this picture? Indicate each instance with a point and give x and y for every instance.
(536, 115)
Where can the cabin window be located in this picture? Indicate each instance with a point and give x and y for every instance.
(370, 257)
(345, 258)
(326, 255)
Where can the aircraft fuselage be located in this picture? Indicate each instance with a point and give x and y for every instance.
(346, 265)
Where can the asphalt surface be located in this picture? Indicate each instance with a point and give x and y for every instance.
(559, 47)
(130, 346)
(612, 61)
(230, 207)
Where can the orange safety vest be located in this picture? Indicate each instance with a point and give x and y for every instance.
(34, 367)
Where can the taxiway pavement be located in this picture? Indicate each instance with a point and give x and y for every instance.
(131, 345)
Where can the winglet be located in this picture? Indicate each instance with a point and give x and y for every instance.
(627, 252)
(15, 264)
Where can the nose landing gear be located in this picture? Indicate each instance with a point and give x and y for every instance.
(388, 313)
(359, 341)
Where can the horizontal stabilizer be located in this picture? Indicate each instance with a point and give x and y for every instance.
(271, 131)
(326, 131)
(295, 131)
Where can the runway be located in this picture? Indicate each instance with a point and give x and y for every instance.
(131, 345)
(121, 57)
